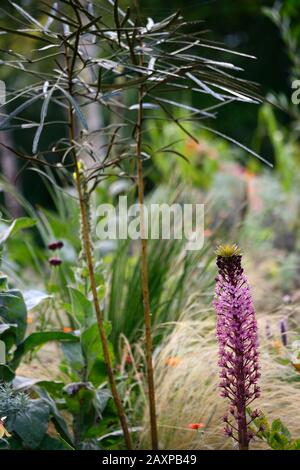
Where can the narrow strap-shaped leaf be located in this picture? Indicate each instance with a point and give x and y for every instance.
(205, 87)
(75, 106)
(239, 144)
(26, 15)
(19, 109)
(24, 33)
(44, 111)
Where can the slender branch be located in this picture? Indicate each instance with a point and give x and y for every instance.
(89, 259)
(144, 276)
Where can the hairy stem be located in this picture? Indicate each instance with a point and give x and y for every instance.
(87, 248)
(144, 276)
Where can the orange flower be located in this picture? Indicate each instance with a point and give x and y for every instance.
(29, 319)
(277, 345)
(296, 366)
(173, 361)
(196, 426)
(67, 329)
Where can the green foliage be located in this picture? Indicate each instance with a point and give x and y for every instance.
(275, 434)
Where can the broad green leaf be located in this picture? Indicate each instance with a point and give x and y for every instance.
(6, 374)
(8, 334)
(92, 350)
(31, 424)
(82, 307)
(38, 339)
(33, 298)
(74, 358)
(79, 398)
(60, 424)
(15, 227)
(13, 310)
(277, 426)
(52, 443)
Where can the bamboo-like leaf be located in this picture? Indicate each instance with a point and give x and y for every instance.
(239, 144)
(19, 109)
(24, 33)
(44, 111)
(205, 87)
(75, 106)
(184, 106)
(50, 17)
(26, 15)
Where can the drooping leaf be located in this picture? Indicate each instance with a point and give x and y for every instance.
(33, 298)
(31, 424)
(38, 339)
(15, 227)
(13, 310)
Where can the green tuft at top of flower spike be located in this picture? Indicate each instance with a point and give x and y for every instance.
(227, 251)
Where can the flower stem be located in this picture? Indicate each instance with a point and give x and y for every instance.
(144, 277)
(87, 248)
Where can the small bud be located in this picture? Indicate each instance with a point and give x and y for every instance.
(55, 246)
(55, 261)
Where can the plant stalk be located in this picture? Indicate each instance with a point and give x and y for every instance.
(87, 248)
(144, 276)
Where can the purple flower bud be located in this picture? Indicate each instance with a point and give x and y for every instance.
(55, 245)
(283, 332)
(238, 340)
(55, 261)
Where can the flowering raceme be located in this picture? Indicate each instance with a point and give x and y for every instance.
(238, 344)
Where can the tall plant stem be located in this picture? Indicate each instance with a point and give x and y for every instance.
(87, 247)
(144, 276)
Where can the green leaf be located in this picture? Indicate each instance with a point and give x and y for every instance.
(2, 353)
(74, 358)
(75, 106)
(39, 130)
(13, 310)
(51, 443)
(6, 374)
(79, 397)
(15, 227)
(31, 424)
(33, 298)
(92, 350)
(26, 15)
(295, 445)
(19, 109)
(60, 424)
(8, 334)
(277, 426)
(83, 309)
(38, 339)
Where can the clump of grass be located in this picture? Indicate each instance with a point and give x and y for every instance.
(187, 384)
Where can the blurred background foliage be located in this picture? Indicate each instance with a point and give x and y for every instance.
(260, 28)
